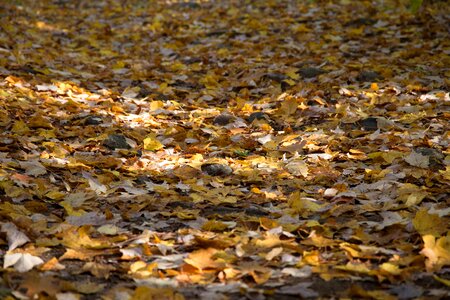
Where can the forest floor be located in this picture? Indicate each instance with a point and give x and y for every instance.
(273, 149)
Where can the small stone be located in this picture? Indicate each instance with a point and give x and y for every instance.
(255, 211)
(92, 120)
(360, 22)
(368, 76)
(116, 141)
(161, 97)
(310, 72)
(256, 116)
(216, 169)
(189, 5)
(369, 123)
(407, 291)
(276, 77)
(223, 119)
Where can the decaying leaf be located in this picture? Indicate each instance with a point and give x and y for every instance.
(15, 237)
(417, 160)
(224, 149)
(203, 259)
(437, 251)
(95, 185)
(151, 143)
(22, 262)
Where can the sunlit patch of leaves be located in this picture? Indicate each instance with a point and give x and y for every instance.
(194, 148)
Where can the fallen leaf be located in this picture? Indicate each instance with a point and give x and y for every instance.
(15, 237)
(95, 185)
(22, 262)
(151, 143)
(418, 160)
(437, 251)
(155, 293)
(429, 224)
(203, 259)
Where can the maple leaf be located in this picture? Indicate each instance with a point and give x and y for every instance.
(36, 283)
(298, 168)
(203, 259)
(95, 185)
(429, 224)
(437, 251)
(153, 293)
(151, 143)
(22, 262)
(170, 132)
(33, 168)
(418, 160)
(15, 237)
(98, 270)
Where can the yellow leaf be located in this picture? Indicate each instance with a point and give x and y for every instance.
(300, 28)
(256, 190)
(290, 81)
(78, 238)
(318, 240)
(267, 223)
(154, 105)
(436, 251)
(350, 249)
(356, 31)
(289, 106)
(429, 224)
(411, 194)
(333, 38)
(442, 280)
(210, 80)
(20, 127)
(55, 195)
(223, 52)
(70, 210)
(302, 205)
(119, 65)
(298, 168)
(292, 73)
(131, 92)
(273, 253)
(311, 258)
(177, 66)
(374, 86)
(137, 265)
(163, 87)
(212, 225)
(47, 134)
(151, 143)
(391, 155)
(186, 215)
(39, 121)
(391, 268)
(203, 259)
(355, 267)
(413, 117)
(445, 173)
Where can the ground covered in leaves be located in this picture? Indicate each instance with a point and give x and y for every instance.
(240, 149)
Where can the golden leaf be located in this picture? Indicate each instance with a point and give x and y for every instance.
(151, 143)
(437, 252)
(429, 224)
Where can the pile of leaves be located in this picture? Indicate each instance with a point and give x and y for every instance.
(213, 149)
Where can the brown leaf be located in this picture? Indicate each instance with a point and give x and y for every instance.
(203, 259)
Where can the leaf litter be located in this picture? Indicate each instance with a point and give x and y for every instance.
(240, 149)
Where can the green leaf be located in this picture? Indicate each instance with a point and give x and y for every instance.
(414, 5)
